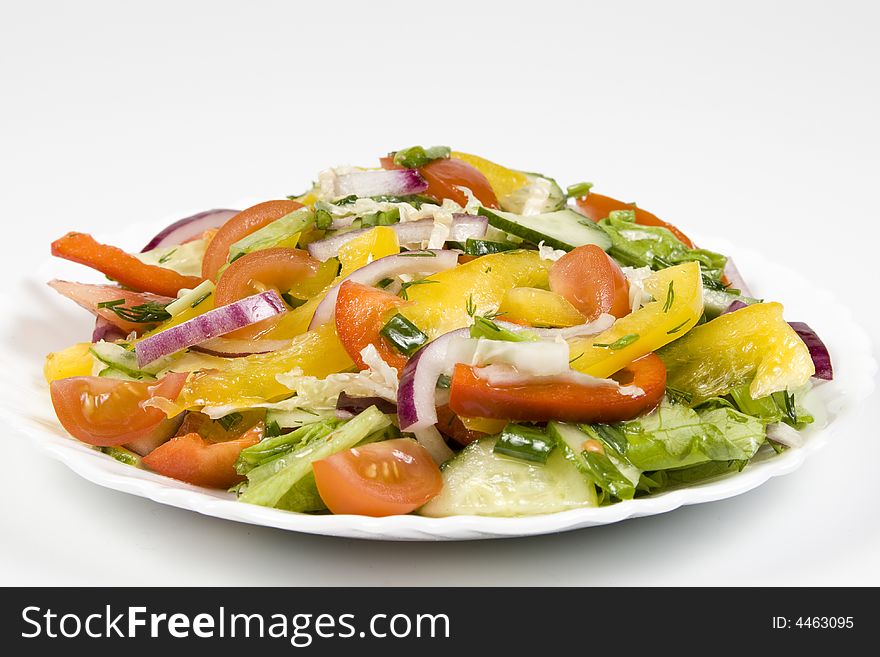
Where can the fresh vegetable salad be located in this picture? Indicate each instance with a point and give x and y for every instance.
(440, 335)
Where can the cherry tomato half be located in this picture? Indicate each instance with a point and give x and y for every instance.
(380, 479)
(103, 411)
(591, 281)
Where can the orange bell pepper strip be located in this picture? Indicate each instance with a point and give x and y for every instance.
(121, 266)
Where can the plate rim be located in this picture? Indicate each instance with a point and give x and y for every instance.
(104, 471)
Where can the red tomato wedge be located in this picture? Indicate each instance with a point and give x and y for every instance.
(104, 411)
(471, 396)
(121, 266)
(255, 272)
(380, 479)
(89, 296)
(239, 226)
(361, 312)
(445, 176)
(196, 461)
(591, 281)
(597, 207)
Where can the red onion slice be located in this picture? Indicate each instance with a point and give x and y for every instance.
(818, 350)
(211, 324)
(416, 401)
(189, 228)
(410, 232)
(411, 262)
(106, 331)
(354, 405)
(397, 182)
(231, 348)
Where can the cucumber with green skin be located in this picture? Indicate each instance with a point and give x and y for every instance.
(563, 229)
(479, 482)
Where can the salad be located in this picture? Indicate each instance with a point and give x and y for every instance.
(439, 335)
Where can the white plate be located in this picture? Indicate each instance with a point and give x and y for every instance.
(27, 409)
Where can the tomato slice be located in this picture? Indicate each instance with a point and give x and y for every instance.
(361, 312)
(121, 266)
(255, 272)
(597, 207)
(569, 402)
(239, 226)
(196, 461)
(446, 176)
(380, 479)
(591, 281)
(103, 411)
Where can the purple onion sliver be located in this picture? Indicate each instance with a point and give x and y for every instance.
(818, 350)
(106, 330)
(354, 404)
(212, 324)
(736, 304)
(396, 182)
(189, 228)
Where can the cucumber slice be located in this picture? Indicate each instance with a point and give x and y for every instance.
(716, 302)
(119, 359)
(564, 229)
(540, 195)
(479, 482)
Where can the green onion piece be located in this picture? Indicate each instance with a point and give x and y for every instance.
(381, 218)
(347, 200)
(626, 340)
(444, 382)
(578, 190)
(475, 247)
(483, 327)
(200, 299)
(323, 219)
(524, 443)
(417, 156)
(165, 258)
(385, 282)
(405, 336)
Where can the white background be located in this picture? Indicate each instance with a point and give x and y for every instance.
(756, 121)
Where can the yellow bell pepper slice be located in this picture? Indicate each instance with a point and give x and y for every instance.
(251, 379)
(504, 181)
(76, 360)
(474, 288)
(539, 308)
(377, 243)
(677, 307)
(752, 344)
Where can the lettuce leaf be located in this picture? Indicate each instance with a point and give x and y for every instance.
(656, 247)
(674, 439)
